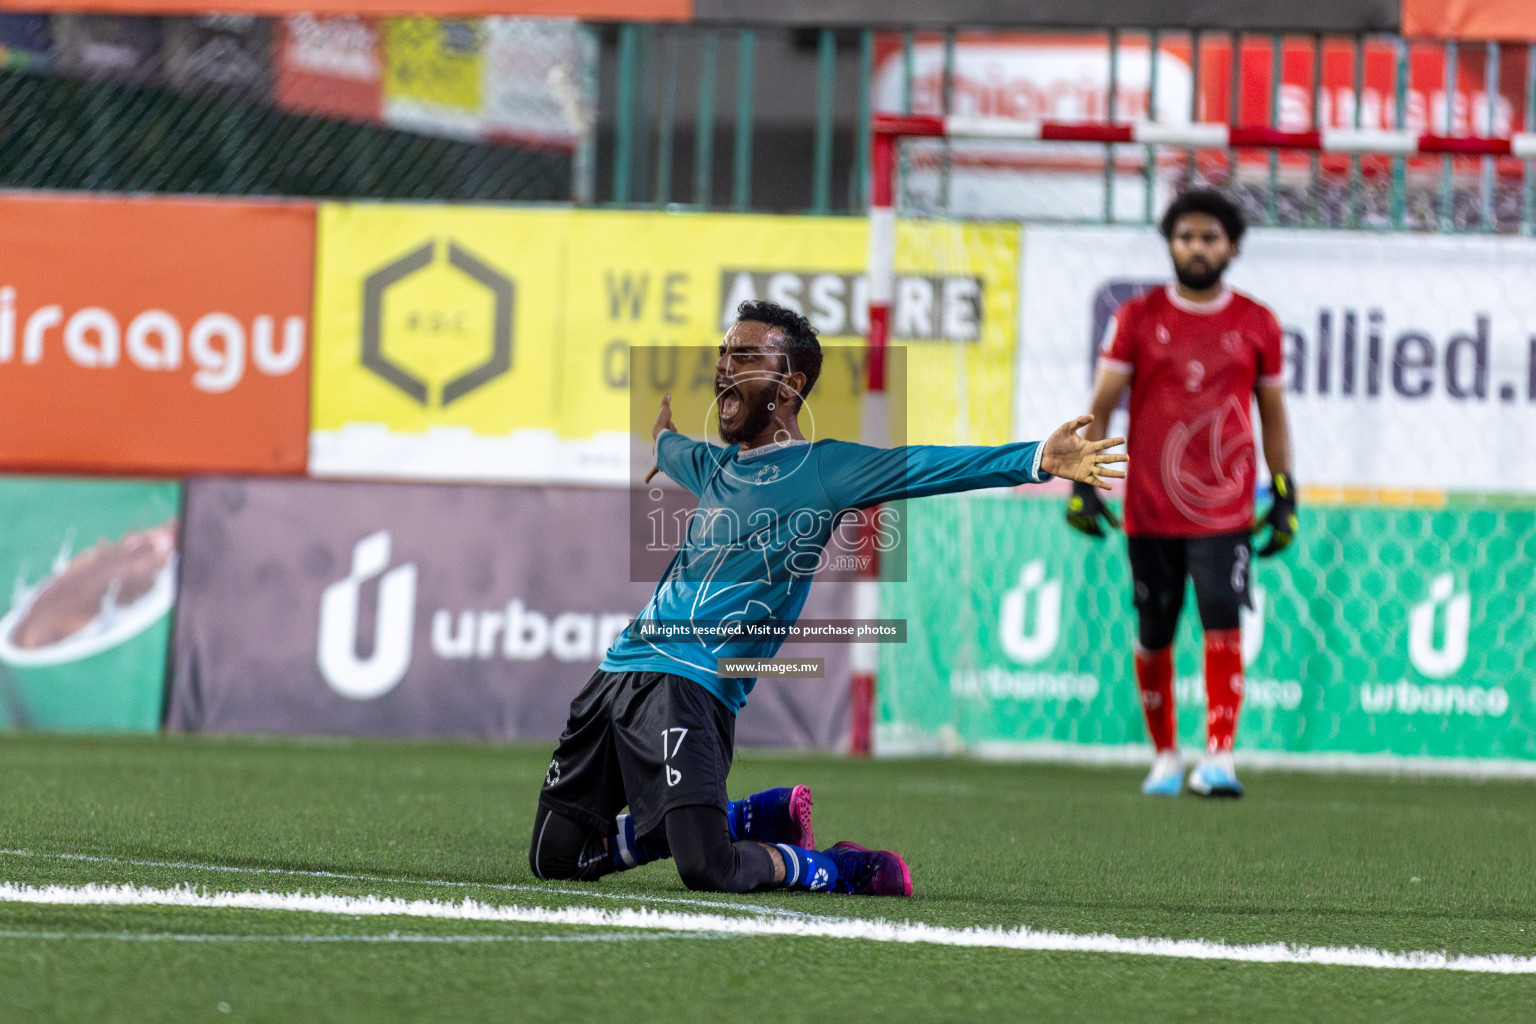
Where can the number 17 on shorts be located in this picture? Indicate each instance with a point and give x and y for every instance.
(671, 743)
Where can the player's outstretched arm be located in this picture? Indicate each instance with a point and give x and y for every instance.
(858, 476)
(687, 462)
(1069, 454)
(663, 422)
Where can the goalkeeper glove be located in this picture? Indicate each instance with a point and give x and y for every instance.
(1281, 518)
(1084, 510)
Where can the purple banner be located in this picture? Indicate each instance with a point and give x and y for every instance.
(428, 610)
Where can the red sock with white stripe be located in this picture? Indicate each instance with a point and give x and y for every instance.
(1154, 675)
(1223, 687)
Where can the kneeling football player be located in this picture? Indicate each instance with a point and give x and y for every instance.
(654, 729)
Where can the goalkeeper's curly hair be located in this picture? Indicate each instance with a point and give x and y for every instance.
(1207, 201)
(800, 342)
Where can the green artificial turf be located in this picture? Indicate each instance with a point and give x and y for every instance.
(1403, 864)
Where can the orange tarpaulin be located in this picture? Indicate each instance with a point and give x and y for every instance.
(590, 10)
(1506, 20)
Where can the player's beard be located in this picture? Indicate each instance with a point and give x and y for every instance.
(752, 420)
(1208, 276)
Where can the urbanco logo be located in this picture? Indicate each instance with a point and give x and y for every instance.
(346, 673)
(1029, 647)
(487, 348)
(1446, 658)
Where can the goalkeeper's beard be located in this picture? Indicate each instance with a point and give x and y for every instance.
(1200, 280)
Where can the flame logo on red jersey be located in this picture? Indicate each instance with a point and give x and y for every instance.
(1207, 465)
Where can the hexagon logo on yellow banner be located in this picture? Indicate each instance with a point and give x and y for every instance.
(436, 343)
(437, 330)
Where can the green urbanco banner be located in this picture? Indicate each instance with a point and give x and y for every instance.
(1399, 631)
(91, 570)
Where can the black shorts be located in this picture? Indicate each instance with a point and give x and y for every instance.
(1219, 567)
(645, 740)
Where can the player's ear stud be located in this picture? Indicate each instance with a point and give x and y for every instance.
(770, 407)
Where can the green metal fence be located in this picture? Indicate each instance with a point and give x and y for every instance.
(693, 97)
(714, 118)
(402, 108)
(102, 136)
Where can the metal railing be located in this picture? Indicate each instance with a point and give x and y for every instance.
(715, 118)
(1244, 80)
(1277, 84)
(687, 120)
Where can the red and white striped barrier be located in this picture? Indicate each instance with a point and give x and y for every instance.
(882, 286)
(1204, 135)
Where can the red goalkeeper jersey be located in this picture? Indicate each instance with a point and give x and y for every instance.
(1194, 368)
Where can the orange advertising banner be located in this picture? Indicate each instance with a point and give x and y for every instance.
(587, 10)
(1509, 21)
(155, 336)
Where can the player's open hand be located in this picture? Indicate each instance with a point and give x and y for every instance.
(1071, 455)
(663, 417)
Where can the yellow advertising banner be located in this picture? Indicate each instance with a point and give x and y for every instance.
(956, 311)
(434, 69)
(436, 340)
(493, 344)
(649, 314)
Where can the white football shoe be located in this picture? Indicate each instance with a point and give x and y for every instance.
(1215, 775)
(1167, 775)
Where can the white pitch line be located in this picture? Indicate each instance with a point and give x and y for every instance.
(875, 930)
(391, 937)
(234, 869)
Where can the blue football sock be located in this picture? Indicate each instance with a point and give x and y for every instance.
(810, 870)
(737, 814)
(626, 853)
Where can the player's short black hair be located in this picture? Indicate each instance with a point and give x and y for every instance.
(1208, 201)
(799, 337)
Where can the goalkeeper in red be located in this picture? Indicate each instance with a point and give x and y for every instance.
(1195, 355)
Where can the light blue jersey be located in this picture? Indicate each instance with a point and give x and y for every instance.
(763, 520)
